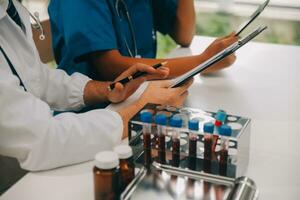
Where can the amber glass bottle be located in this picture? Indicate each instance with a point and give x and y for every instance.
(106, 176)
(126, 165)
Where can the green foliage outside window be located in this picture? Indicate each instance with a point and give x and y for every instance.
(220, 24)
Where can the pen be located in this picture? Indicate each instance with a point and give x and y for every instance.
(134, 76)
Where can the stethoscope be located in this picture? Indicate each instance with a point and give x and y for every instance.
(38, 26)
(120, 6)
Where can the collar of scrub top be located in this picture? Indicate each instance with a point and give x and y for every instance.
(121, 7)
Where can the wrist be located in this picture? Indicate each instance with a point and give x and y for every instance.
(140, 103)
(96, 92)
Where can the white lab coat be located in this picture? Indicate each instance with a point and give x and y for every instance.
(28, 130)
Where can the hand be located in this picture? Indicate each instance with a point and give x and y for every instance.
(217, 46)
(122, 92)
(158, 92)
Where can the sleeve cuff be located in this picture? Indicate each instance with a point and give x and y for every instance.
(80, 83)
(84, 48)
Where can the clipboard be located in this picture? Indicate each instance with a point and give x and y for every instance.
(257, 12)
(229, 50)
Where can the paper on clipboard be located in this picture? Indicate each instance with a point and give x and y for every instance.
(229, 50)
(257, 12)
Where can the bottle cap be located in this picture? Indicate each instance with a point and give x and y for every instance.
(225, 130)
(208, 127)
(161, 119)
(194, 124)
(176, 121)
(123, 151)
(146, 117)
(218, 123)
(107, 160)
(221, 115)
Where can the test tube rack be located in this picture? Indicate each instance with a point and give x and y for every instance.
(238, 146)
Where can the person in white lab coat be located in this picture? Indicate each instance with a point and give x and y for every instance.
(29, 91)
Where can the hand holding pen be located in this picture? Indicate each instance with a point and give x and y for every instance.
(140, 72)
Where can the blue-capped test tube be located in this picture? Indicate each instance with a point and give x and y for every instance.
(225, 133)
(220, 119)
(208, 130)
(193, 134)
(161, 122)
(146, 118)
(176, 124)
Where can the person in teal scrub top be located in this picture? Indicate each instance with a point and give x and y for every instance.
(102, 38)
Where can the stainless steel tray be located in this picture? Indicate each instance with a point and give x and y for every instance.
(167, 182)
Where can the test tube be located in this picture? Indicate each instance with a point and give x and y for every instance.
(208, 130)
(225, 133)
(146, 118)
(176, 124)
(161, 121)
(193, 128)
(220, 119)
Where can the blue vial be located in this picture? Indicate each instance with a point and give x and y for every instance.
(221, 116)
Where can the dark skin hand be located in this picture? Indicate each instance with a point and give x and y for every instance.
(111, 64)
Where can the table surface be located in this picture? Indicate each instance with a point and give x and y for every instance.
(263, 85)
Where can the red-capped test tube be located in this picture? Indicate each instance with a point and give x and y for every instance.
(220, 119)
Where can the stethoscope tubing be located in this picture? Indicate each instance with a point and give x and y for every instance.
(132, 32)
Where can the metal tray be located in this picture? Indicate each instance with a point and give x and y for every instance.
(166, 182)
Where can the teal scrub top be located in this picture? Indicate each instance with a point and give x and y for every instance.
(80, 27)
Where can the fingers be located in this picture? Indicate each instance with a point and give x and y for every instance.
(135, 68)
(161, 84)
(133, 86)
(160, 73)
(118, 88)
(152, 73)
(143, 68)
(229, 39)
(182, 98)
(182, 89)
